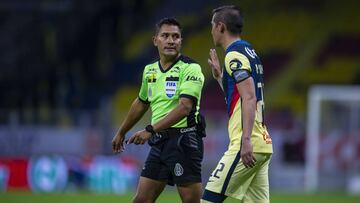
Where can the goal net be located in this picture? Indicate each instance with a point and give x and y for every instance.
(333, 139)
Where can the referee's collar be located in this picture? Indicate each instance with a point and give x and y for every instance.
(164, 71)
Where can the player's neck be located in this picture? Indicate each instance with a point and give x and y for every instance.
(229, 40)
(167, 61)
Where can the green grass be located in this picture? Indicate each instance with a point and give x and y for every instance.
(166, 197)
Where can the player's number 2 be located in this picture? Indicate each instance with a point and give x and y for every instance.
(219, 169)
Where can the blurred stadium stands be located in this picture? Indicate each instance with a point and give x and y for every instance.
(71, 68)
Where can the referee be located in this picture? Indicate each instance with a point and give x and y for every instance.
(171, 87)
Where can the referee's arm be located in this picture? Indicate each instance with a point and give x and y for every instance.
(182, 110)
(136, 112)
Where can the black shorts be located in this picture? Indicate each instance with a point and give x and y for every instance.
(175, 158)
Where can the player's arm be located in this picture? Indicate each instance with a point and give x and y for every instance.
(238, 66)
(136, 112)
(248, 107)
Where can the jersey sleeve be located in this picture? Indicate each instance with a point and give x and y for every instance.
(192, 81)
(143, 93)
(237, 65)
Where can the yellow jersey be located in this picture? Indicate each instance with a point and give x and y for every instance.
(240, 55)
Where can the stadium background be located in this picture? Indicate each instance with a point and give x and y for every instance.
(71, 68)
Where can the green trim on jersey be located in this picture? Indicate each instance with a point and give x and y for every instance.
(163, 89)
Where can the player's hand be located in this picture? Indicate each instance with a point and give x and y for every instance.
(215, 64)
(246, 154)
(118, 143)
(139, 137)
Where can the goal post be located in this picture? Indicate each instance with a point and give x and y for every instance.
(333, 124)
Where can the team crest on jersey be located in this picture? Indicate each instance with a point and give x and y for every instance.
(178, 170)
(235, 64)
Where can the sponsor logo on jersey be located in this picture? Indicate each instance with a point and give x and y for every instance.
(178, 170)
(235, 64)
(193, 78)
(175, 70)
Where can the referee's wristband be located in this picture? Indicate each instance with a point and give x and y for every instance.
(150, 129)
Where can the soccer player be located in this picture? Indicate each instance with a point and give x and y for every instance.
(171, 87)
(242, 172)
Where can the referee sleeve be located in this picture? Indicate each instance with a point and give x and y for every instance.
(143, 93)
(192, 82)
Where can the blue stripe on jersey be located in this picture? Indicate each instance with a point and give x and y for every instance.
(213, 197)
(257, 78)
(231, 171)
(229, 89)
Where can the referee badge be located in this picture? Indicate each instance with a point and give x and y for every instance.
(178, 170)
(170, 86)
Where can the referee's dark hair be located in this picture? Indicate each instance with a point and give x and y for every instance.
(166, 21)
(231, 16)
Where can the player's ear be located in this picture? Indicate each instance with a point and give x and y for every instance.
(154, 40)
(222, 27)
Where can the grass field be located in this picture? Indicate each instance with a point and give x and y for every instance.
(166, 197)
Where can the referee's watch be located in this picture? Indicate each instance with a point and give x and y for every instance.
(150, 129)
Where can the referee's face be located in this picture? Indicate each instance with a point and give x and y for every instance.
(168, 40)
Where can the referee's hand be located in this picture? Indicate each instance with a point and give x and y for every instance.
(139, 137)
(118, 143)
(247, 155)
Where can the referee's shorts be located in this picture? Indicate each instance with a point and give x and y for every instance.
(175, 156)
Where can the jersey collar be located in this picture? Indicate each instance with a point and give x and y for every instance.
(172, 65)
(235, 43)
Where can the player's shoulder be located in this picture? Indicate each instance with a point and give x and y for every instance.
(241, 47)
